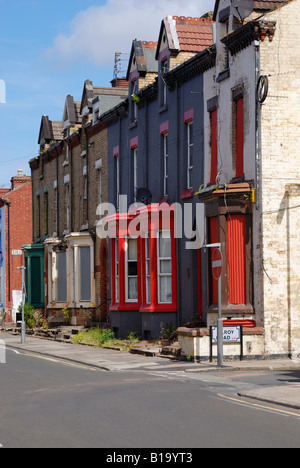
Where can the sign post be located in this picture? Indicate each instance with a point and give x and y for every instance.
(231, 334)
(217, 266)
(23, 325)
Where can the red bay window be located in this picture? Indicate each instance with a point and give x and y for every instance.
(144, 267)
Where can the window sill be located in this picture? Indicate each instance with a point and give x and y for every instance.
(187, 194)
(65, 163)
(163, 108)
(223, 75)
(149, 308)
(228, 310)
(126, 307)
(133, 124)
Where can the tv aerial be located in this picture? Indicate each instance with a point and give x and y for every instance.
(242, 8)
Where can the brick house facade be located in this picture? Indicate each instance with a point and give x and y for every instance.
(15, 231)
(69, 182)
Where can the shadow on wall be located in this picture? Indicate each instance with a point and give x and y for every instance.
(286, 207)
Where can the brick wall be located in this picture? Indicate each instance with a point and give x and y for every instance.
(280, 60)
(18, 232)
(52, 173)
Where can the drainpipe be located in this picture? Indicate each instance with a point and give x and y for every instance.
(178, 245)
(71, 187)
(57, 195)
(87, 174)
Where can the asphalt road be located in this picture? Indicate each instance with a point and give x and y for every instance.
(46, 403)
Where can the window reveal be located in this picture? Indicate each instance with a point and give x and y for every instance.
(214, 146)
(61, 272)
(240, 137)
(85, 274)
(190, 149)
(166, 162)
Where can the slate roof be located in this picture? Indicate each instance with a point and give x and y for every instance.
(72, 110)
(144, 54)
(91, 92)
(57, 129)
(51, 130)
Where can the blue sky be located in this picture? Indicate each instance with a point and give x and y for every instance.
(48, 50)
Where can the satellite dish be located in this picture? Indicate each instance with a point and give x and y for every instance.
(144, 195)
(242, 8)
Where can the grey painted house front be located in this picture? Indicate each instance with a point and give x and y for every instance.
(156, 157)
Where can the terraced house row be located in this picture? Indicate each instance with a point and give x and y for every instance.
(198, 144)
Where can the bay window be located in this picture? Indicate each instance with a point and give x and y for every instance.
(144, 268)
(71, 272)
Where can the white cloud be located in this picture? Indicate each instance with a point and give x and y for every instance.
(100, 31)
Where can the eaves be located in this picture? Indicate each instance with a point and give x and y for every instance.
(113, 115)
(191, 68)
(244, 36)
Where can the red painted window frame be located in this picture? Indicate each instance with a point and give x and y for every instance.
(122, 234)
(214, 239)
(142, 304)
(155, 306)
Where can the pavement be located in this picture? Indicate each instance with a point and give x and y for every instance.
(111, 360)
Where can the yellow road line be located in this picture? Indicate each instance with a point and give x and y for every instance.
(258, 406)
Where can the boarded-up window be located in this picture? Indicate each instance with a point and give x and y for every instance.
(85, 274)
(35, 272)
(214, 146)
(236, 252)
